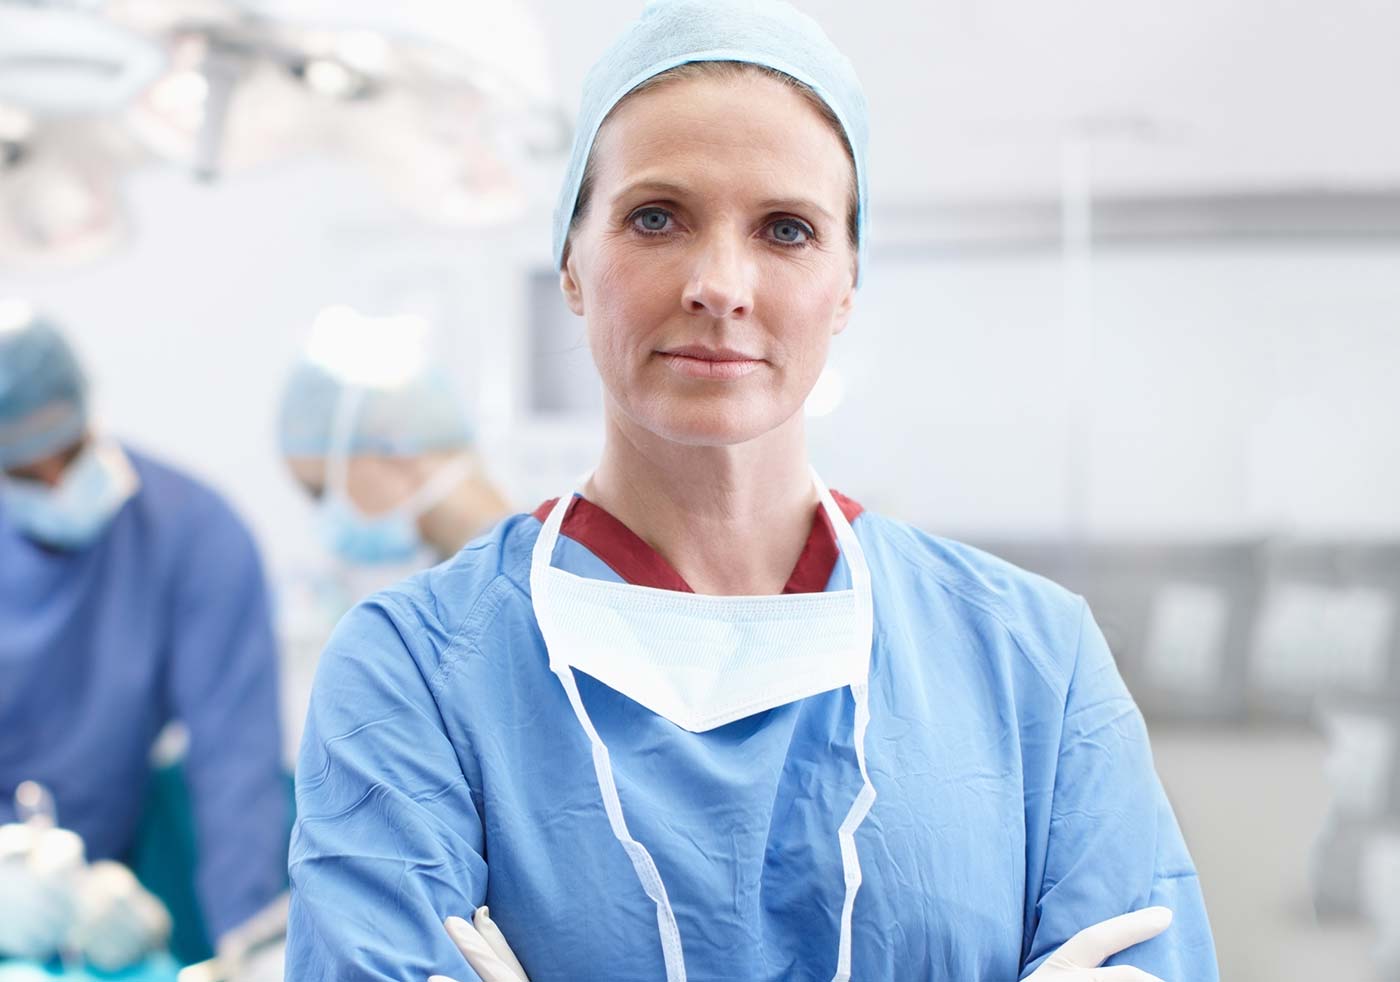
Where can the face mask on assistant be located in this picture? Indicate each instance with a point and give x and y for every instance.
(703, 661)
(73, 514)
(390, 537)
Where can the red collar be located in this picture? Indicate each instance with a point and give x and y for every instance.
(629, 556)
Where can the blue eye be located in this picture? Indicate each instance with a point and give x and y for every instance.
(789, 231)
(652, 221)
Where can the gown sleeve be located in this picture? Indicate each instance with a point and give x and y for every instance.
(388, 839)
(223, 687)
(1114, 844)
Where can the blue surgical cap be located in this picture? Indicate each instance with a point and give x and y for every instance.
(761, 32)
(418, 415)
(43, 393)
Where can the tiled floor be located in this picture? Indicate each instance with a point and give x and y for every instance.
(1250, 802)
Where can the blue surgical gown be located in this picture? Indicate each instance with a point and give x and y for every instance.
(443, 768)
(165, 617)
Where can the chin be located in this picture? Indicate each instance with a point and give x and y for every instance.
(709, 422)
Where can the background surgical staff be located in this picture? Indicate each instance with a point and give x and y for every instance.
(703, 717)
(378, 436)
(131, 596)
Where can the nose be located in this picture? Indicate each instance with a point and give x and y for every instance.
(721, 281)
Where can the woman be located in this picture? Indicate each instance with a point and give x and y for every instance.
(707, 720)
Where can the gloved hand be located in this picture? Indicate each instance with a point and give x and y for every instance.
(39, 867)
(1079, 958)
(118, 922)
(485, 948)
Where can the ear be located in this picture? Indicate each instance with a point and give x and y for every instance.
(843, 309)
(568, 284)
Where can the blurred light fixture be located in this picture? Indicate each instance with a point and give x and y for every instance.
(15, 315)
(375, 352)
(59, 201)
(57, 59)
(446, 104)
(334, 79)
(64, 71)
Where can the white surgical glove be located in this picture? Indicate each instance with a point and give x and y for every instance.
(39, 867)
(118, 922)
(1079, 958)
(485, 948)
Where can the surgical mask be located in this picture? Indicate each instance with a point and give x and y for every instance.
(703, 661)
(391, 537)
(72, 515)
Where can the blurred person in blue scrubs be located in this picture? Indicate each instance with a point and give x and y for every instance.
(378, 435)
(131, 596)
(701, 717)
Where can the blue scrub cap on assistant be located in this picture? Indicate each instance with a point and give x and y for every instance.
(762, 32)
(417, 415)
(43, 392)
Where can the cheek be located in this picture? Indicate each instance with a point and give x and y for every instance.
(629, 300)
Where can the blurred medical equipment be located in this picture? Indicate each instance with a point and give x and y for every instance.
(118, 922)
(1380, 885)
(54, 903)
(253, 953)
(40, 870)
(447, 104)
(1360, 769)
(65, 73)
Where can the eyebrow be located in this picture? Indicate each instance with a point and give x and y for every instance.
(673, 190)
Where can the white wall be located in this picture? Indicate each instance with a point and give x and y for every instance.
(971, 97)
(1233, 389)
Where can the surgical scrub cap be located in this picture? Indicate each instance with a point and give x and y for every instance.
(417, 415)
(673, 32)
(43, 393)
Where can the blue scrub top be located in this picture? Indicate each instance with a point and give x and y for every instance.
(442, 768)
(164, 617)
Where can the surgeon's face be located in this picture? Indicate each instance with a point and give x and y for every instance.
(713, 264)
(48, 470)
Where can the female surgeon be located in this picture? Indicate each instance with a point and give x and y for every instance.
(703, 718)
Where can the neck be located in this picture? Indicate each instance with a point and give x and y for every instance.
(731, 520)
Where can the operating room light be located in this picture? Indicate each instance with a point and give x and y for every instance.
(375, 352)
(15, 315)
(331, 78)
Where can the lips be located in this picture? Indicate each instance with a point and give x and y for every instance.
(720, 364)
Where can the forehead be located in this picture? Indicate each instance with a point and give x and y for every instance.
(746, 131)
